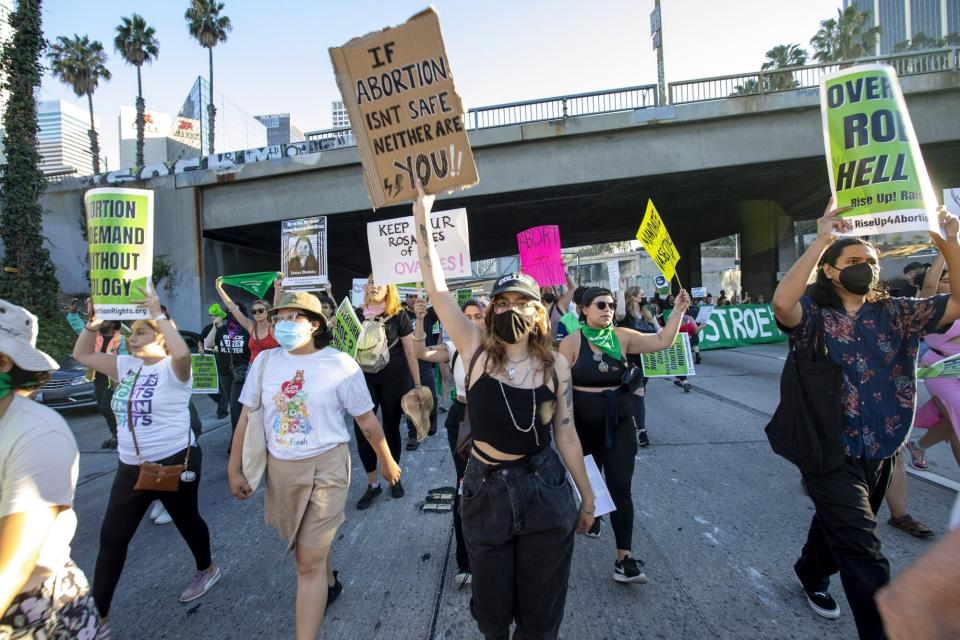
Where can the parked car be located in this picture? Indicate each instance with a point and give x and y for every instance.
(69, 388)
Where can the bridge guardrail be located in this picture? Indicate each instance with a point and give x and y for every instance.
(808, 76)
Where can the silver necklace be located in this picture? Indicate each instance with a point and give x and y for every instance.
(512, 371)
(533, 413)
(603, 366)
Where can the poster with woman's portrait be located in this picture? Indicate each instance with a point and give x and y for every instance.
(303, 247)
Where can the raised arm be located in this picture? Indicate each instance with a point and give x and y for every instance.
(84, 350)
(178, 349)
(232, 307)
(563, 302)
(621, 310)
(637, 342)
(438, 354)
(277, 291)
(568, 443)
(786, 299)
(932, 277)
(950, 250)
(465, 334)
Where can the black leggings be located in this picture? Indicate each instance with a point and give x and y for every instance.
(386, 396)
(617, 462)
(454, 418)
(238, 375)
(126, 508)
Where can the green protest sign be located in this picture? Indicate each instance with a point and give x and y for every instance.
(120, 234)
(738, 325)
(256, 283)
(873, 156)
(463, 295)
(346, 329)
(675, 360)
(203, 368)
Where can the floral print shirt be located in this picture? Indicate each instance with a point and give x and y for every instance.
(876, 349)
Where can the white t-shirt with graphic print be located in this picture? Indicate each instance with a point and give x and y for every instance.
(161, 413)
(304, 397)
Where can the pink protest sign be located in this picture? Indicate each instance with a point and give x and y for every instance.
(540, 255)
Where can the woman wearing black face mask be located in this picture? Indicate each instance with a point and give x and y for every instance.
(601, 402)
(873, 338)
(518, 511)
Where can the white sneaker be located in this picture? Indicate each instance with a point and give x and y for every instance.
(162, 517)
(462, 579)
(156, 507)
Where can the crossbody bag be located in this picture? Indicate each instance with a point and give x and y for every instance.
(153, 476)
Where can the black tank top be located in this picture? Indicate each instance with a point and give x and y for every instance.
(490, 419)
(588, 371)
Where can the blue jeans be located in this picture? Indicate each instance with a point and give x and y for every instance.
(519, 520)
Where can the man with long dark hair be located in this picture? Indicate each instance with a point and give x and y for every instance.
(874, 339)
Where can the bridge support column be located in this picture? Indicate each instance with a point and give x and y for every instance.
(688, 269)
(764, 232)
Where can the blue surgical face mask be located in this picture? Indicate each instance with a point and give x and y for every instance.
(292, 334)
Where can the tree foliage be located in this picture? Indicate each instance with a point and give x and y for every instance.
(29, 278)
(846, 37)
(782, 56)
(81, 63)
(209, 28)
(137, 43)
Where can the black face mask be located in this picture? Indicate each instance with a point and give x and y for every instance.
(511, 326)
(858, 278)
(549, 298)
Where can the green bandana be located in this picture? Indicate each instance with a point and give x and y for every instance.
(570, 321)
(604, 339)
(6, 384)
(256, 283)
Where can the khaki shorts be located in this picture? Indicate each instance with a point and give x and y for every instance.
(305, 499)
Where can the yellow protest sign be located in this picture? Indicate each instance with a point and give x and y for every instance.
(655, 239)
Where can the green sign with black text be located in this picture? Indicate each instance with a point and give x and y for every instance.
(346, 329)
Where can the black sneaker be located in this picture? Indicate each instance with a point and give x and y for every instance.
(334, 592)
(595, 528)
(821, 602)
(396, 490)
(368, 496)
(686, 387)
(629, 571)
(642, 439)
(696, 358)
(412, 443)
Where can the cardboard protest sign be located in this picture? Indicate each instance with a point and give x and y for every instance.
(256, 283)
(873, 157)
(540, 255)
(613, 274)
(698, 292)
(704, 313)
(120, 233)
(675, 360)
(346, 329)
(393, 247)
(662, 285)
(303, 245)
(203, 368)
(655, 239)
(408, 121)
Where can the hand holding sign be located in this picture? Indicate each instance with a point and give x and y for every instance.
(831, 224)
(949, 224)
(682, 302)
(150, 301)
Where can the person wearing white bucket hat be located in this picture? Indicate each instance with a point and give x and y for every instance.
(42, 592)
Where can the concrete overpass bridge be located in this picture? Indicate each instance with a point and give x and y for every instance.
(714, 163)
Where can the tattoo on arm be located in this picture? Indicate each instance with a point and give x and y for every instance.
(426, 247)
(568, 392)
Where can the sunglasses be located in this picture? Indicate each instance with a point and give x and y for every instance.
(603, 304)
(258, 311)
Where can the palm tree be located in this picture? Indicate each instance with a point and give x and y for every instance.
(783, 56)
(80, 63)
(137, 43)
(209, 28)
(845, 37)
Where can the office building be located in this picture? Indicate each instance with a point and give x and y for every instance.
(63, 141)
(236, 129)
(340, 118)
(163, 139)
(902, 20)
(279, 129)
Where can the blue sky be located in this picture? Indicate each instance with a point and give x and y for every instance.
(276, 57)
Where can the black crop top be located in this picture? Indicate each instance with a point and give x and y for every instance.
(588, 370)
(490, 419)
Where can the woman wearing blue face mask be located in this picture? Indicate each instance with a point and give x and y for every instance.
(304, 387)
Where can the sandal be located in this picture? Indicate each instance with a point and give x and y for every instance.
(918, 456)
(914, 527)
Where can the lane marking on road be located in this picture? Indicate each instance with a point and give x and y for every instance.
(934, 478)
(732, 403)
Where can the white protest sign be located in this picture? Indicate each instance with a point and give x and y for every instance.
(602, 500)
(613, 274)
(357, 291)
(704, 314)
(698, 292)
(393, 247)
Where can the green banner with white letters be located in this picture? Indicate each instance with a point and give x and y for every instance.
(739, 325)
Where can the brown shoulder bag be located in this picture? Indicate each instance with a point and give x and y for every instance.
(153, 476)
